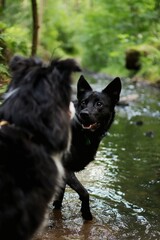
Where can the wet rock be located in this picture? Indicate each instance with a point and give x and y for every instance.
(149, 134)
(139, 123)
(125, 100)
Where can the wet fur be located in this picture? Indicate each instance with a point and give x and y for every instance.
(32, 142)
(95, 113)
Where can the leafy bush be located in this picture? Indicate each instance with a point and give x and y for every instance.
(150, 59)
(98, 33)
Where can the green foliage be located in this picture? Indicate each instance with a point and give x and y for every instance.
(15, 27)
(3, 69)
(97, 32)
(58, 32)
(114, 26)
(20, 44)
(150, 60)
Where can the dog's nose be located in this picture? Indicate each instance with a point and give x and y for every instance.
(84, 115)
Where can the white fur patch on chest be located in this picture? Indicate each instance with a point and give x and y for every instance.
(57, 158)
(72, 110)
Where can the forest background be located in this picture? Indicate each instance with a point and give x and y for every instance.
(119, 38)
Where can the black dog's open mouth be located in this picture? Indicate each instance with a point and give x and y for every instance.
(91, 127)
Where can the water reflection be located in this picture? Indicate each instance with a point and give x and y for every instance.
(136, 178)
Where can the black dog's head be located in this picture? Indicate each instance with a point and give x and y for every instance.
(96, 109)
(38, 97)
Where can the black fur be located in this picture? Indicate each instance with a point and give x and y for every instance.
(35, 132)
(95, 113)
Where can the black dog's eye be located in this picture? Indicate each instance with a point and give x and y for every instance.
(99, 104)
(83, 104)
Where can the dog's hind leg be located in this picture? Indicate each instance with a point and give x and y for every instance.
(74, 183)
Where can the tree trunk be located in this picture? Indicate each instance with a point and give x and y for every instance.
(35, 27)
(2, 4)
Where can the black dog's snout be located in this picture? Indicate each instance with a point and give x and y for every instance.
(84, 115)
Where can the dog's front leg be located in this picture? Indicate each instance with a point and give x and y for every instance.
(57, 203)
(74, 183)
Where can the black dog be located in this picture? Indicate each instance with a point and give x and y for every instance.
(34, 134)
(95, 113)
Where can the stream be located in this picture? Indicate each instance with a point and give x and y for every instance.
(124, 179)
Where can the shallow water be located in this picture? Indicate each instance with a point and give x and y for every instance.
(124, 179)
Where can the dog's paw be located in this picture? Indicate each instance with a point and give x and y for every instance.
(57, 204)
(87, 215)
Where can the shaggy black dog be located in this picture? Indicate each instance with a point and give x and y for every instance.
(34, 134)
(95, 113)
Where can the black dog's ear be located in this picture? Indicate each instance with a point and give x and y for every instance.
(82, 87)
(16, 62)
(19, 63)
(69, 65)
(113, 90)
